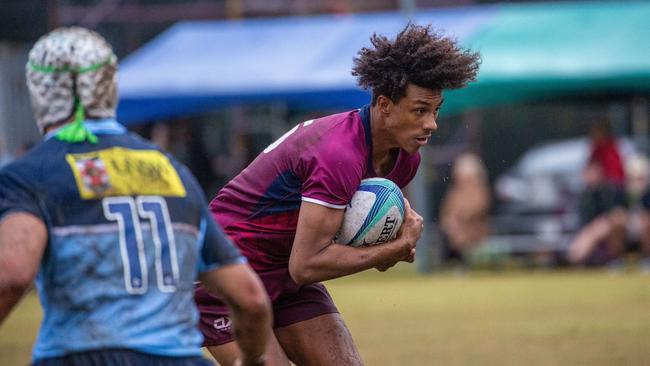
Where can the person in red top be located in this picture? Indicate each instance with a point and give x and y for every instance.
(604, 150)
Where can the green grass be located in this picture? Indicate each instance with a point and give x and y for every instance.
(575, 318)
(18, 332)
(509, 318)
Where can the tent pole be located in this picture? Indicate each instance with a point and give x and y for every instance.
(420, 199)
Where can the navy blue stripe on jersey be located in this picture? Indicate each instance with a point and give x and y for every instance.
(364, 114)
(283, 195)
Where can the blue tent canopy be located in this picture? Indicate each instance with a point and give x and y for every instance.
(528, 50)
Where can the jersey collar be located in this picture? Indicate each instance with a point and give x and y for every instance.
(105, 126)
(364, 113)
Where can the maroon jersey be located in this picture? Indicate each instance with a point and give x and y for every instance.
(320, 161)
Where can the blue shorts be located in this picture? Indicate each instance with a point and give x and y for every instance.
(120, 357)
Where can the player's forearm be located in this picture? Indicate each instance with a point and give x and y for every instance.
(250, 306)
(252, 330)
(22, 241)
(337, 260)
(14, 282)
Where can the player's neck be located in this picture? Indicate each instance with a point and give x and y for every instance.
(384, 149)
(385, 163)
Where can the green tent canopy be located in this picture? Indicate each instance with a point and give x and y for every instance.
(549, 50)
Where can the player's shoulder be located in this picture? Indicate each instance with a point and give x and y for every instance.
(36, 159)
(342, 149)
(335, 123)
(340, 133)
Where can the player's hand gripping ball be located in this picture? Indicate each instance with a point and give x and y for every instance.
(374, 215)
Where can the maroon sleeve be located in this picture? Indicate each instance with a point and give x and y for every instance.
(331, 172)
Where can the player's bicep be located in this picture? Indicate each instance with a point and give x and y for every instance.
(317, 225)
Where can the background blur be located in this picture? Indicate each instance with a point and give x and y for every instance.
(216, 81)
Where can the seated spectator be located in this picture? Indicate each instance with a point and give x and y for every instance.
(614, 222)
(465, 208)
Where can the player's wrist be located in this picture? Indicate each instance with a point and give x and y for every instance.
(402, 242)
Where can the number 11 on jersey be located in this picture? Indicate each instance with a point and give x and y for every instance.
(128, 212)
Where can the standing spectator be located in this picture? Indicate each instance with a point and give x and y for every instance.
(465, 208)
(117, 230)
(602, 234)
(613, 222)
(605, 151)
(601, 203)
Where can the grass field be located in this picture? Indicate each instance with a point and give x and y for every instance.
(508, 318)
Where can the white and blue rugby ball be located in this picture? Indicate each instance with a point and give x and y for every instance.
(374, 215)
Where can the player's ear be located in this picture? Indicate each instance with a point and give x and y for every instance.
(385, 104)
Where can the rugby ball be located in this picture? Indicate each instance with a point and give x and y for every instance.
(374, 215)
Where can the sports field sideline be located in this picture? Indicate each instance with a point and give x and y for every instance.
(483, 318)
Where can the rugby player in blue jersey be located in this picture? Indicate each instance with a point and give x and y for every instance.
(115, 231)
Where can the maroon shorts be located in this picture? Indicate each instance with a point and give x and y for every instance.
(291, 304)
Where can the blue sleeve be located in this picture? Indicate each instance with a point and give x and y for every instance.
(16, 194)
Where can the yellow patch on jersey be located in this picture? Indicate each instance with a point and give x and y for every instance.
(122, 172)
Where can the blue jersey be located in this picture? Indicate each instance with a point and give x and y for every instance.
(128, 233)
